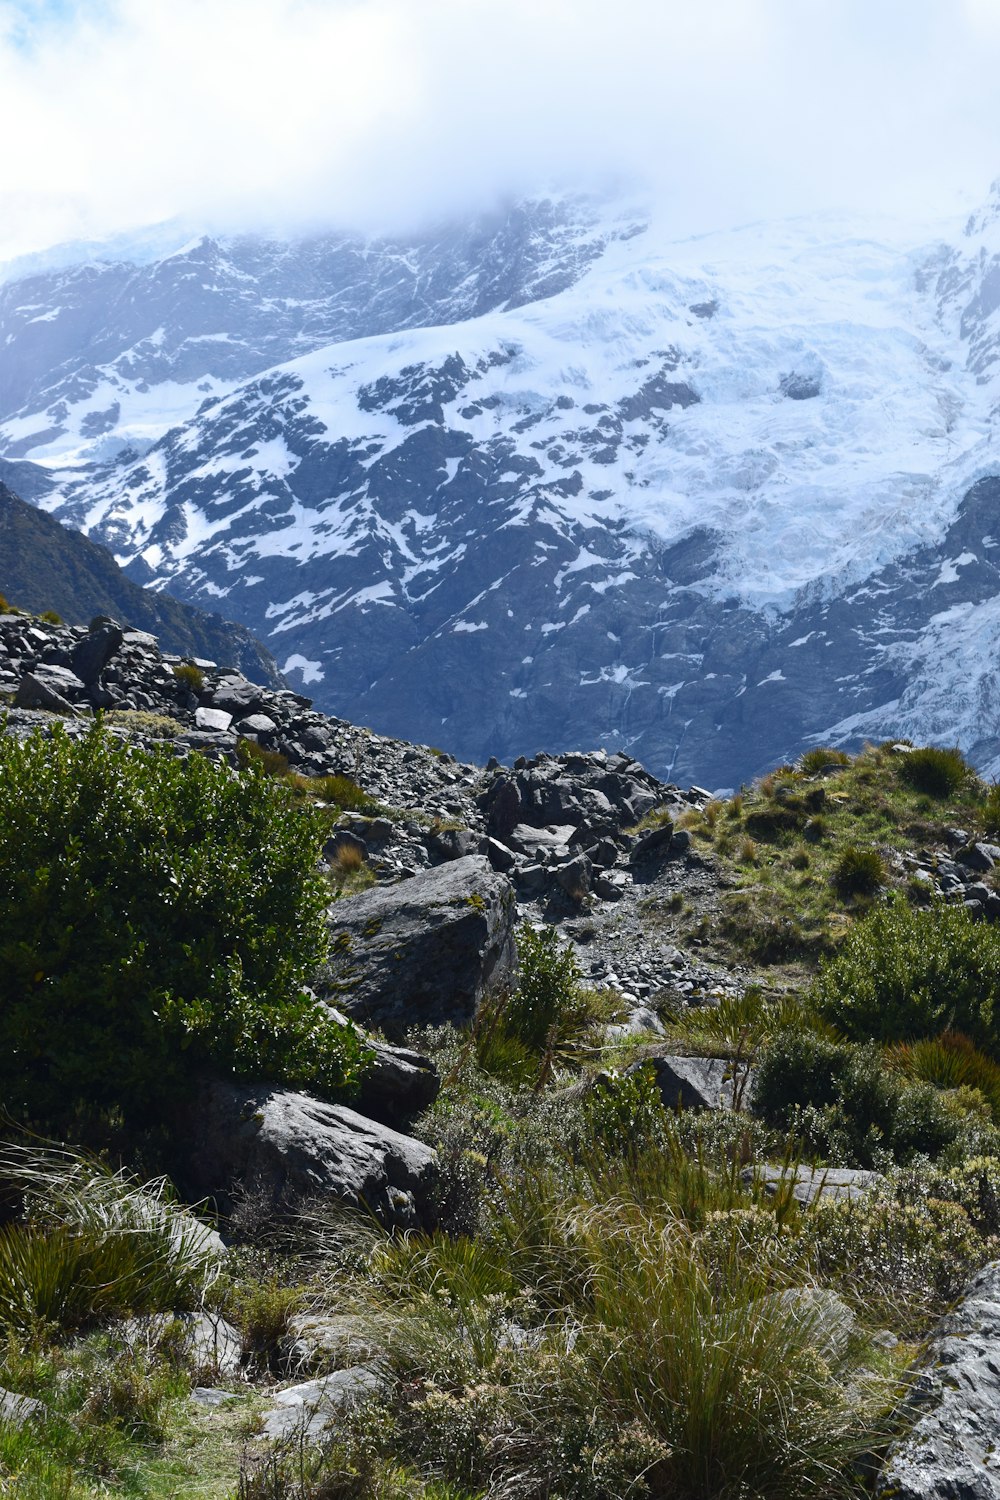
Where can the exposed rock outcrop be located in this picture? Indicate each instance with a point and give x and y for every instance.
(952, 1451)
(287, 1147)
(423, 952)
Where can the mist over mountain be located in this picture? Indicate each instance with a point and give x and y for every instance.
(546, 477)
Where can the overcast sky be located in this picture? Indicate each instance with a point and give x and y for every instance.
(384, 113)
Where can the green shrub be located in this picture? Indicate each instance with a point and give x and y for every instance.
(990, 811)
(858, 872)
(846, 1105)
(903, 973)
(50, 617)
(627, 1112)
(521, 1034)
(156, 916)
(933, 771)
(903, 1257)
(190, 676)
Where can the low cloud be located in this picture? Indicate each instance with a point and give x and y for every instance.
(383, 114)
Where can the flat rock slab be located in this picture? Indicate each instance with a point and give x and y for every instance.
(952, 1451)
(289, 1146)
(816, 1182)
(308, 1411)
(423, 952)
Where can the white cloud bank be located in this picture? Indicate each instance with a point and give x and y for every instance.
(383, 113)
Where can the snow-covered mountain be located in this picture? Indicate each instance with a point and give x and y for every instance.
(551, 478)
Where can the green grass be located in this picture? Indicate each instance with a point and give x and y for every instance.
(821, 836)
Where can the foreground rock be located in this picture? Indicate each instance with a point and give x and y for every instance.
(307, 1412)
(810, 1183)
(953, 1450)
(423, 952)
(698, 1082)
(283, 1147)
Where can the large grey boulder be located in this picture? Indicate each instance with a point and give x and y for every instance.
(696, 1082)
(46, 687)
(952, 1451)
(423, 952)
(92, 654)
(284, 1147)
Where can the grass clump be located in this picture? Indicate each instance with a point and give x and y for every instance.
(94, 1242)
(814, 762)
(933, 771)
(251, 755)
(155, 915)
(951, 1061)
(189, 676)
(858, 872)
(51, 617)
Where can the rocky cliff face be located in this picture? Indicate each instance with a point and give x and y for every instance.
(552, 479)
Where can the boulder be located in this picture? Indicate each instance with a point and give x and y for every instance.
(423, 952)
(16, 1410)
(694, 1082)
(287, 1147)
(214, 719)
(205, 1341)
(980, 857)
(655, 843)
(811, 1183)
(337, 1341)
(398, 1085)
(99, 645)
(952, 1450)
(306, 1412)
(44, 689)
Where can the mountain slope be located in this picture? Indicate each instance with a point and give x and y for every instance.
(45, 566)
(706, 500)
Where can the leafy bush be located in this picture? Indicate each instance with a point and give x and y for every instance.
(933, 771)
(627, 1112)
(903, 973)
(990, 811)
(858, 872)
(846, 1105)
(522, 1034)
(904, 1258)
(156, 915)
(190, 676)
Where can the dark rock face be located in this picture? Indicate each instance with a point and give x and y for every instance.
(423, 952)
(398, 1085)
(951, 1452)
(288, 1147)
